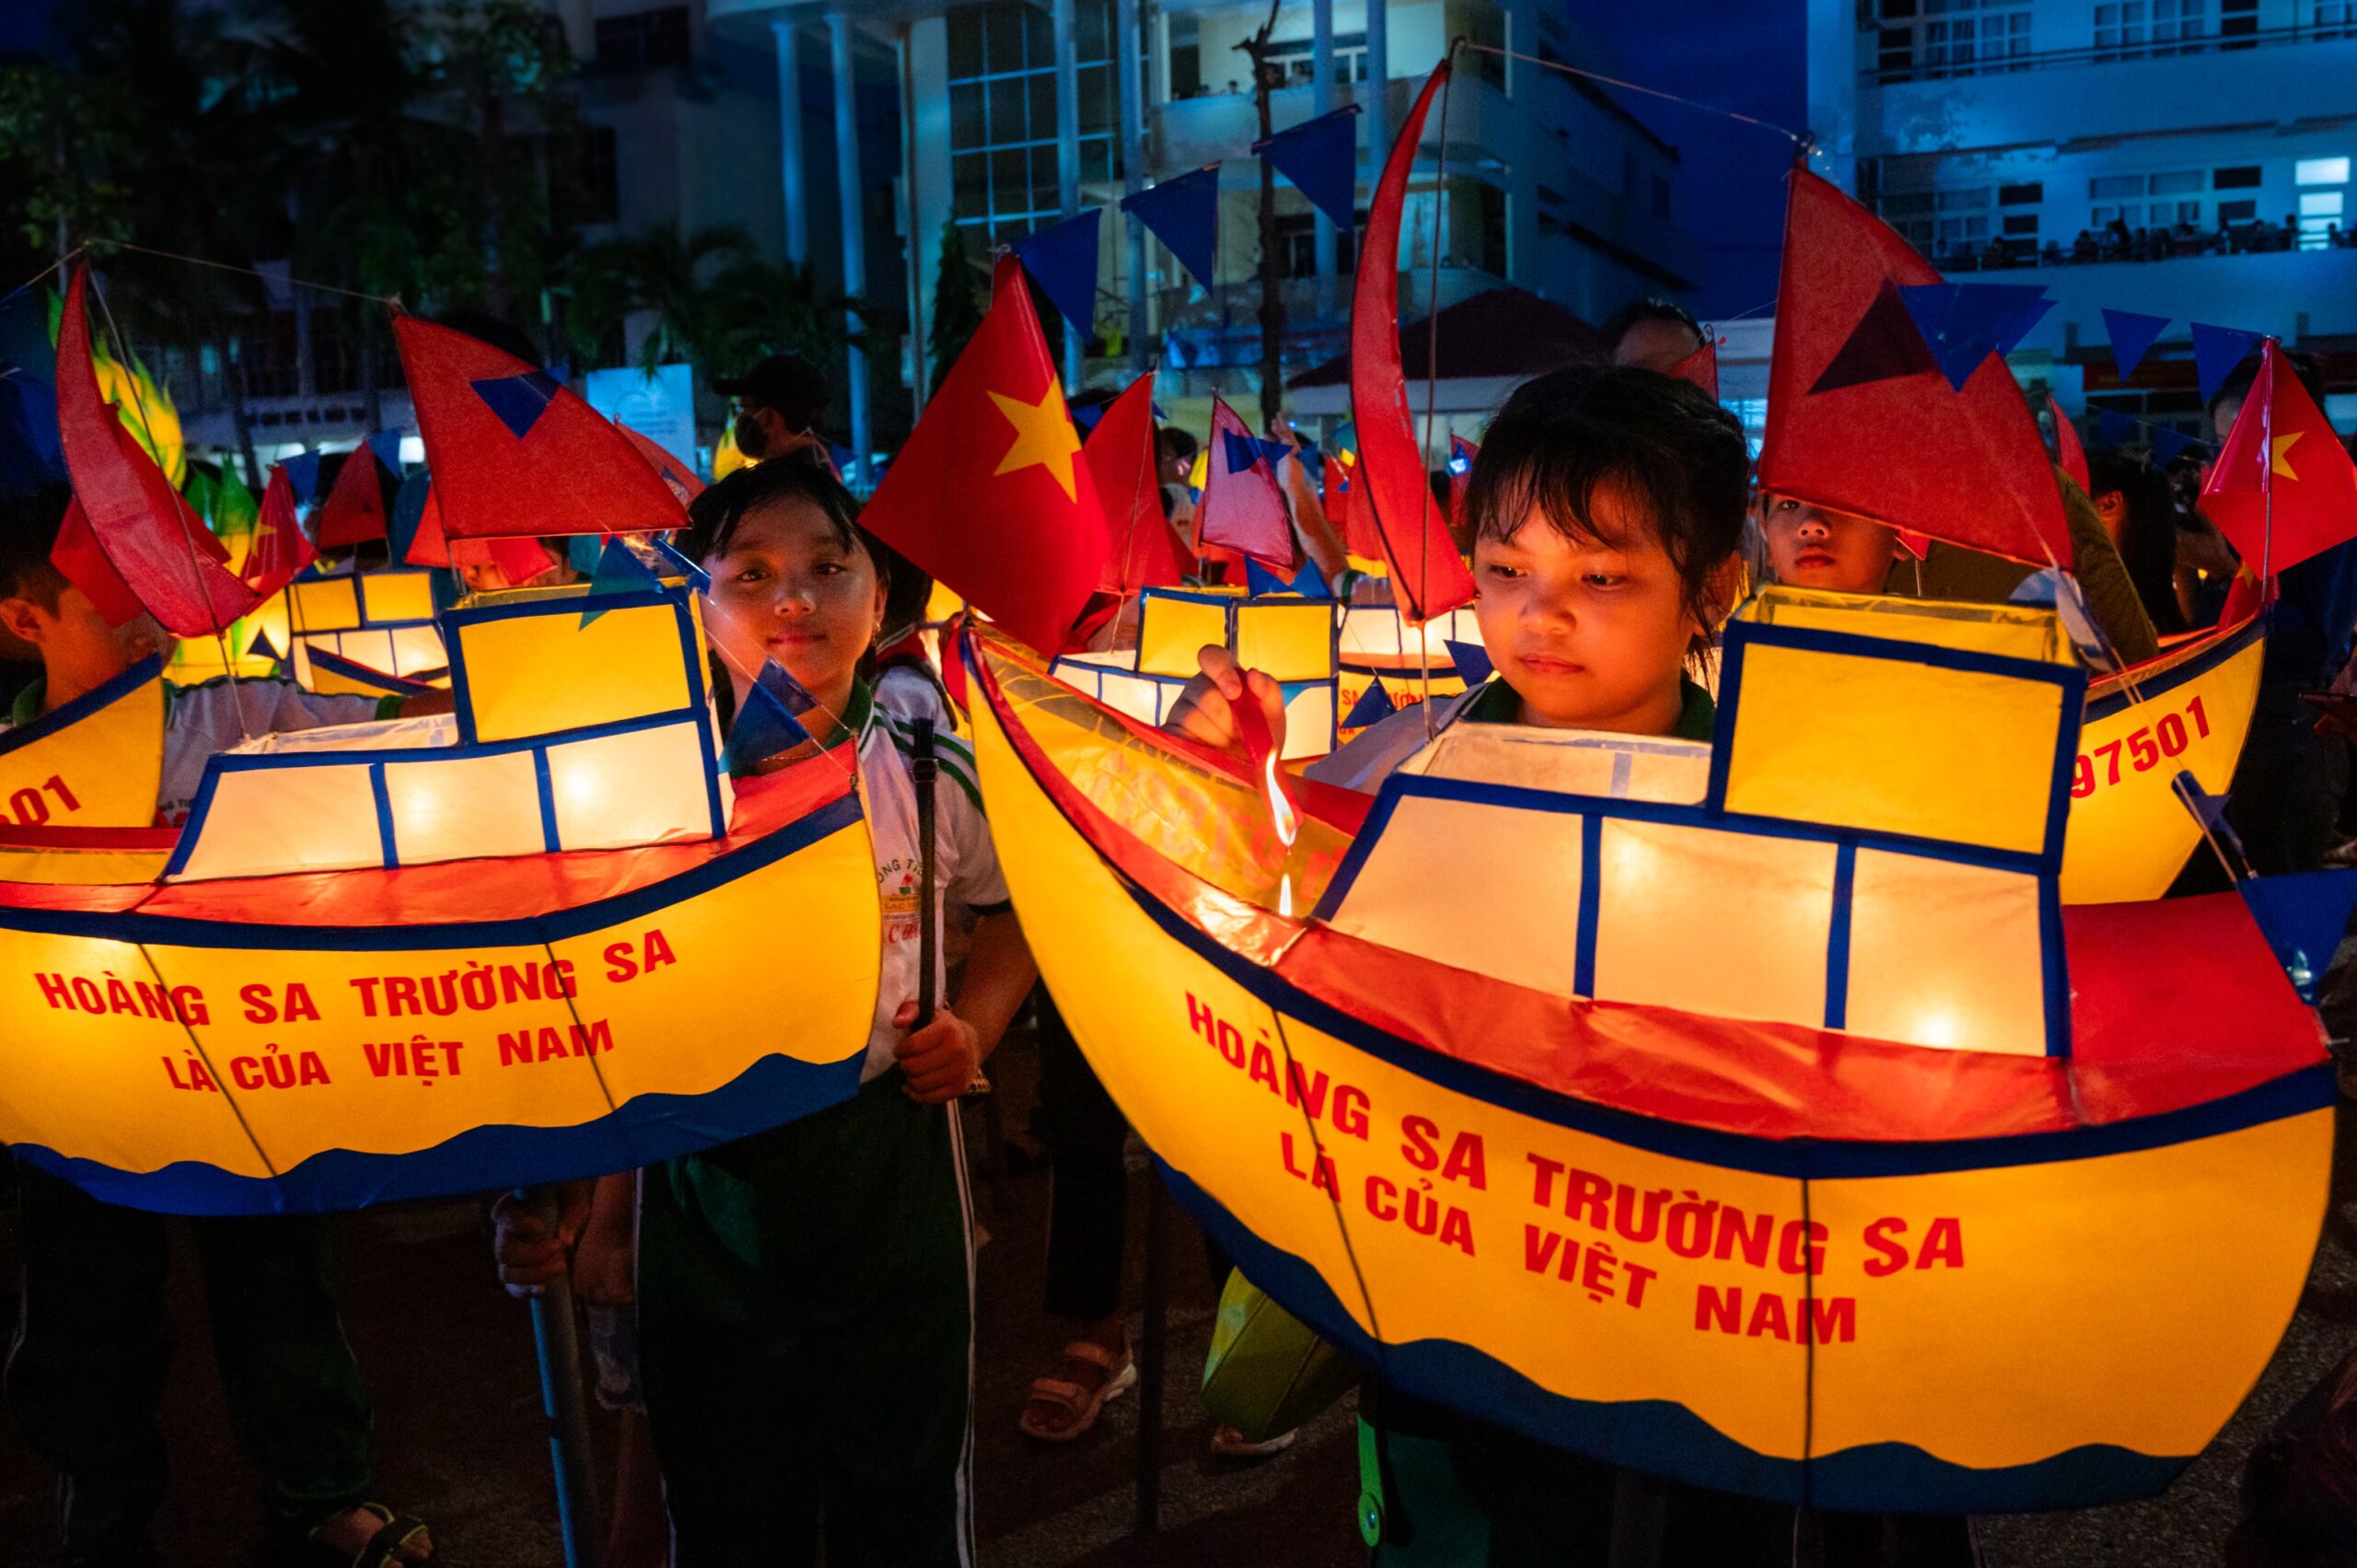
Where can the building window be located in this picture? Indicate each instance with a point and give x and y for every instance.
(2178, 182)
(2021, 195)
(2107, 187)
(1295, 58)
(2132, 29)
(1298, 246)
(601, 191)
(1951, 37)
(2021, 226)
(2332, 19)
(2243, 177)
(1003, 167)
(2321, 171)
(2320, 204)
(639, 41)
(2236, 212)
(2319, 234)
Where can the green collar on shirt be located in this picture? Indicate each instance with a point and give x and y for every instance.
(1495, 702)
(29, 701)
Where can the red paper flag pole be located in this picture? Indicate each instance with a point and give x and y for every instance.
(1428, 577)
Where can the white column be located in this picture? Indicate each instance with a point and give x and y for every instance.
(1321, 101)
(1068, 163)
(1377, 113)
(789, 144)
(847, 179)
(1127, 63)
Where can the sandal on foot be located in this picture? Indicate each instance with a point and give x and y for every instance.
(1082, 1404)
(381, 1549)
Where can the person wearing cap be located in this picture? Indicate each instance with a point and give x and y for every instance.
(778, 404)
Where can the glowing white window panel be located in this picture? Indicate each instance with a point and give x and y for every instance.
(417, 649)
(2320, 204)
(1945, 955)
(641, 786)
(2321, 171)
(1309, 721)
(270, 821)
(1489, 889)
(1707, 921)
(1569, 762)
(463, 807)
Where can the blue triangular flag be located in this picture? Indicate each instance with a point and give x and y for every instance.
(1374, 705)
(1260, 580)
(1063, 259)
(1276, 451)
(763, 727)
(518, 401)
(2216, 351)
(1184, 214)
(584, 551)
(261, 647)
(2208, 809)
(2113, 428)
(1472, 661)
(386, 445)
(619, 571)
(302, 474)
(409, 510)
(31, 451)
(1310, 582)
(2168, 444)
(1243, 451)
(2133, 336)
(2303, 916)
(1964, 323)
(1321, 157)
(1086, 416)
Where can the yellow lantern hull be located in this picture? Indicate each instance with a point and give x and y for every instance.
(1952, 1323)
(323, 1041)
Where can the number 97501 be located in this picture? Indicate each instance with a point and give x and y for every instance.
(2145, 748)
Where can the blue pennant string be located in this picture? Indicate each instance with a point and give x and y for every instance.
(2216, 351)
(1472, 661)
(619, 571)
(1963, 324)
(1184, 214)
(2134, 334)
(1374, 704)
(1320, 157)
(1063, 259)
(2303, 916)
(518, 401)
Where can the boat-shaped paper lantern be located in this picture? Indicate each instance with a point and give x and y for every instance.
(1752, 1113)
(1291, 637)
(530, 940)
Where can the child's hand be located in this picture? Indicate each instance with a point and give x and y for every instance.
(938, 1061)
(531, 1252)
(1205, 709)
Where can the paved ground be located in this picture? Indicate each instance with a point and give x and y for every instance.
(459, 1432)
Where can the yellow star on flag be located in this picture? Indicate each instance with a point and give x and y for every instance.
(2281, 455)
(1043, 435)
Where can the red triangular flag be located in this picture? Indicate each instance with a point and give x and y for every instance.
(1428, 577)
(429, 546)
(668, 468)
(990, 494)
(1858, 416)
(77, 554)
(354, 512)
(519, 560)
(1243, 510)
(514, 451)
(2069, 455)
(1701, 367)
(280, 548)
(158, 547)
(1121, 457)
(2283, 488)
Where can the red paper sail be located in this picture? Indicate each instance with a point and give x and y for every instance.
(354, 512)
(77, 554)
(514, 452)
(280, 549)
(1701, 367)
(668, 468)
(1121, 457)
(990, 494)
(2283, 488)
(1860, 417)
(2069, 455)
(429, 546)
(1243, 510)
(1428, 577)
(155, 544)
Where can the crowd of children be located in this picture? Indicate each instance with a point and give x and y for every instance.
(791, 1315)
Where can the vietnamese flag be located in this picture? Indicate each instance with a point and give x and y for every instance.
(1119, 453)
(514, 451)
(990, 494)
(354, 512)
(2283, 488)
(1861, 418)
(280, 548)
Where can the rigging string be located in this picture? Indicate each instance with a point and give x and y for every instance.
(1432, 396)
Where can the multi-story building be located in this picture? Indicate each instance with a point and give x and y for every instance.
(2188, 158)
(1550, 184)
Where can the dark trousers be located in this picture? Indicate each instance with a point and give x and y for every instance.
(805, 1340)
(93, 1343)
(2287, 785)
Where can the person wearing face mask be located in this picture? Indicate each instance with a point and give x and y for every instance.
(778, 404)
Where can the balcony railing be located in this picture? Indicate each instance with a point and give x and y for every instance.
(2139, 245)
(1926, 62)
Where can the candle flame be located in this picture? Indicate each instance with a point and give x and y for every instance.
(1284, 894)
(1281, 811)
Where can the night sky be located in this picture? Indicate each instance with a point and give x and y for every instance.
(1748, 56)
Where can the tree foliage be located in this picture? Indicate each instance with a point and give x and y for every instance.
(956, 311)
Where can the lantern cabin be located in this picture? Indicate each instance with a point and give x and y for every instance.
(577, 727)
(1410, 661)
(372, 632)
(1291, 637)
(1744, 1113)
